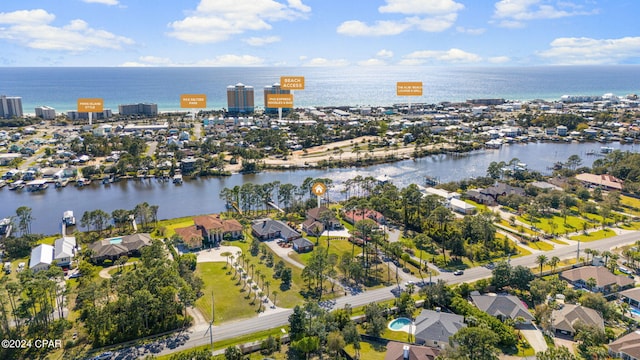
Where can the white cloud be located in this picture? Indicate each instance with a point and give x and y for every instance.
(31, 28)
(134, 64)
(218, 20)
(499, 59)
(453, 55)
(470, 31)
(326, 62)
(372, 62)
(514, 12)
(105, 2)
(429, 16)
(588, 51)
(384, 53)
(155, 60)
(380, 28)
(261, 41)
(222, 60)
(421, 7)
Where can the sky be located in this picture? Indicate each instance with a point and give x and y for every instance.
(318, 32)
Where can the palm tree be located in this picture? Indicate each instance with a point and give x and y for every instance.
(541, 260)
(275, 295)
(554, 263)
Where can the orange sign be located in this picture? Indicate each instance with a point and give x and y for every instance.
(280, 100)
(193, 101)
(318, 189)
(90, 105)
(292, 82)
(409, 88)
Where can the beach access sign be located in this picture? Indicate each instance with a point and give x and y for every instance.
(411, 88)
(280, 100)
(292, 82)
(90, 105)
(193, 101)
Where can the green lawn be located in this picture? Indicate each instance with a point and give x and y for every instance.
(230, 302)
(630, 202)
(595, 235)
(556, 224)
(368, 351)
(171, 225)
(517, 228)
(480, 207)
(540, 245)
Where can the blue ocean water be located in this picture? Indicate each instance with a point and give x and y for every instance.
(353, 86)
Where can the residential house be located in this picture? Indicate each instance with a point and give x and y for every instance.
(269, 229)
(353, 216)
(402, 351)
(41, 257)
(314, 224)
(461, 207)
(215, 229)
(64, 250)
(605, 281)
(503, 307)
(626, 347)
(605, 181)
(115, 247)
(564, 320)
(302, 245)
(434, 328)
(490, 195)
(191, 237)
(631, 297)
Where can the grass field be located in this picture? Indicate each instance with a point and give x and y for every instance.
(595, 235)
(540, 245)
(230, 302)
(556, 224)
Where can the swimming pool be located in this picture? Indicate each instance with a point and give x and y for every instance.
(634, 311)
(399, 324)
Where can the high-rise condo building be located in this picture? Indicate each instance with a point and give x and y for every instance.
(145, 109)
(10, 106)
(46, 112)
(274, 89)
(240, 99)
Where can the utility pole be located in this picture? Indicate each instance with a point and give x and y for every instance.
(210, 330)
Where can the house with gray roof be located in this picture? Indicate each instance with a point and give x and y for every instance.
(269, 229)
(503, 307)
(631, 297)
(626, 347)
(115, 247)
(434, 328)
(564, 320)
(64, 250)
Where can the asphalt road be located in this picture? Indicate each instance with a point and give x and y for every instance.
(274, 320)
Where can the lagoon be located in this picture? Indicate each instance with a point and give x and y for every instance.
(201, 196)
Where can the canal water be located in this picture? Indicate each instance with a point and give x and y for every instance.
(201, 196)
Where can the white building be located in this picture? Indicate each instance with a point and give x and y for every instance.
(10, 106)
(41, 257)
(46, 112)
(64, 250)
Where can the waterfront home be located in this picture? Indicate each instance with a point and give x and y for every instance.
(314, 224)
(269, 229)
(503, 307)
(605, 181)
(115, 247)
(631, 297)
(489, 196)
(191, 237)
(564, 319)
(605, 282)
(353, 216)
(64, 250)
(461, 207)
(41, 257)
(302, 245)
(401, 351)
(626, 347)
(434, 328)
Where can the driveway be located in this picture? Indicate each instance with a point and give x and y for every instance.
(534, 337)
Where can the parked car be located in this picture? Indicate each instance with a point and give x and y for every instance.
(458, 272)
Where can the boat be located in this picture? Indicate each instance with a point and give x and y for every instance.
(606, 149)
(16, 185)
(37, 185)
(83, 182)
(68, 219)
(431, 181)
(177, 179)
(60, 183)
(106, 181)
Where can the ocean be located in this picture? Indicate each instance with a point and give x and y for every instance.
(60, 87)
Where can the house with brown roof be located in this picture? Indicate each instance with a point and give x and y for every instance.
(626, 347)
(631, 297)
(115, 247)
(191, 237)
(353, 216)
(316, 218)
(269, 229)
(605, 281)
(565, 319)
(215, 229)
(490, 195)
(605, 181)
(401, 351)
